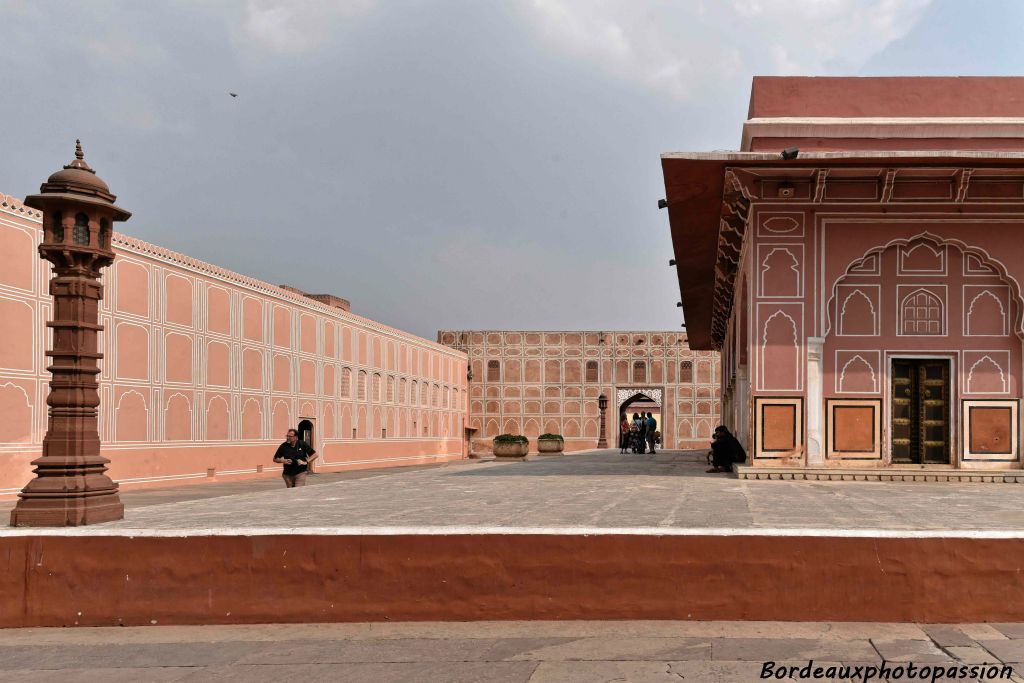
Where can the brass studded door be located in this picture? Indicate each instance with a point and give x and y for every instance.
(920, 411)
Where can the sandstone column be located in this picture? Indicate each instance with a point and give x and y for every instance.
(70, 487)
(815, 402)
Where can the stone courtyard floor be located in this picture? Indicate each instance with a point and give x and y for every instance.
(502, 652)
(599, 490)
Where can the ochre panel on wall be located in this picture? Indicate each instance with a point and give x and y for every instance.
(991, 429)
(854, 429)
(854, 426)
(778, 428)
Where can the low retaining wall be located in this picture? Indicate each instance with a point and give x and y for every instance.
(102, 580)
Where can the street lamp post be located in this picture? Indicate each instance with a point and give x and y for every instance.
(602, 403)
(70, 487)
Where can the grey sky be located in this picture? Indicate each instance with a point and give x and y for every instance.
(443, 164)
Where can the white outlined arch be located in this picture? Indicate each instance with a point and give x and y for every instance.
(921, 313)
(227, 413)
(9, 422)
(984, 257)
(906, 252)
(260, 427)
(764, 349)
(843, 331)
(1004, 321)
(169, 401)
(145, 408)
(970, 389)
(792, 264)
(288, 422)
(842, 376)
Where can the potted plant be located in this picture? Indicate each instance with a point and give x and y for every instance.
(550, 444)
(511, 446)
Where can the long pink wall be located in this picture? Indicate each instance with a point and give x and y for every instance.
(204, 370)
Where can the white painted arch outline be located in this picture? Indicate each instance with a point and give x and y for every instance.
(985, 258)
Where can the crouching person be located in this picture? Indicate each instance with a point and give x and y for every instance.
(725, 450)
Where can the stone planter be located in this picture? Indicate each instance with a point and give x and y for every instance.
(510, 451)
(550, 446)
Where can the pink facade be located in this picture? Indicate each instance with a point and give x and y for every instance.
(530, 382)
(204, 370)
(865, 293)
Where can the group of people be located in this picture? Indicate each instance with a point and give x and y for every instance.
(639, 435)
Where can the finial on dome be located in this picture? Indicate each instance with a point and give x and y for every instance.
(79, 161)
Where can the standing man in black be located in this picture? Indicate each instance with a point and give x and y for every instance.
(295, 455)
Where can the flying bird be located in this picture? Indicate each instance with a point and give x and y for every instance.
(233, 94)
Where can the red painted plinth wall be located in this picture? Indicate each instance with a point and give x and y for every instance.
(103, 580)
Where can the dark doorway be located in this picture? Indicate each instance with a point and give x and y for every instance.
(306, 433)
(920, 411)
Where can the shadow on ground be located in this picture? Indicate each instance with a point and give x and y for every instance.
(607, 463)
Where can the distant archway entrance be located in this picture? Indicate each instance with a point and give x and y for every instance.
(306, 433)
(640, 400)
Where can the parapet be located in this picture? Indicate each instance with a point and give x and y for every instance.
(326, 299)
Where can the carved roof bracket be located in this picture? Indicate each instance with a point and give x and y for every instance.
(819, 185)
(964, 181)
(732, 227)
(887, 187)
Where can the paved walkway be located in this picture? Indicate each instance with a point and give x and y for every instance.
(498, 652)
(598, 490)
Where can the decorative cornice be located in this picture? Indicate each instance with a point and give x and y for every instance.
(133, 245)
(16, 206)
(868, 188)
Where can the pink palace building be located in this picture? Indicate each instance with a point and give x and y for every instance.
(858, 264)
(204, 370)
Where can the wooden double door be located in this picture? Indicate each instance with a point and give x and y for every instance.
(920, 422)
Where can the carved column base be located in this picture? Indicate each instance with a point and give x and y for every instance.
(68, 494)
